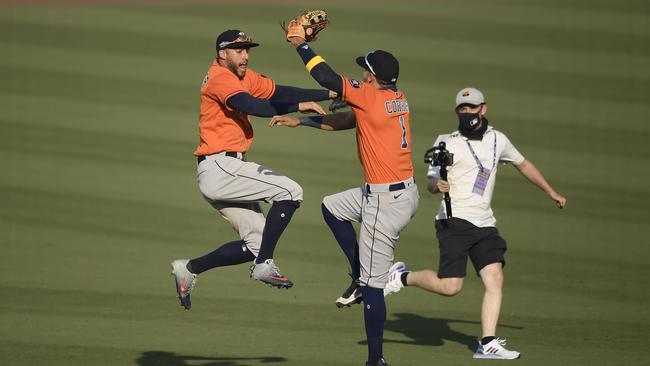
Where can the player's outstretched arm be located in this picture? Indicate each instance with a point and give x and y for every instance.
(330, 122)
(530, 171)
(246, 103)
(317, 67)
(293, 94)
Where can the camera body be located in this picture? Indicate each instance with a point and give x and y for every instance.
(439, 156)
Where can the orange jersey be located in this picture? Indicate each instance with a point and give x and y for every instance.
(383, 131)
(220, 127)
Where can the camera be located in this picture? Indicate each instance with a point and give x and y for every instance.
(439, 156)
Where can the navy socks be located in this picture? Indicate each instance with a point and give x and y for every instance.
(346, 237)
(277, 219)
(374, 314)
(228, 254)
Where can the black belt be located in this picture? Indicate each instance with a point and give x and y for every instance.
(391, 188)
(231, 154)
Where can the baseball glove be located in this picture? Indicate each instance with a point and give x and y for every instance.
(337, 103)
(306, 26)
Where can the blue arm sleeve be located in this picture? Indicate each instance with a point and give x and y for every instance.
(322, 73)
(246, 103)
(296, 95)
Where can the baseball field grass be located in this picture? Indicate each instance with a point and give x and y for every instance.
(98, 122)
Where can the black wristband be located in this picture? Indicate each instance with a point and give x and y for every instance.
(311, 121)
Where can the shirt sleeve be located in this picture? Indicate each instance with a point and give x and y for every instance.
(509, 153)
(221, 86)
(259, 85)
(356, 93)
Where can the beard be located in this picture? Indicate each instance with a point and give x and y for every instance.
(238, 69)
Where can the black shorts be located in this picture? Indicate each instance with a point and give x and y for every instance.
(459, 238)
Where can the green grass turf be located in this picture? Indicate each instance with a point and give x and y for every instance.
(97, 126)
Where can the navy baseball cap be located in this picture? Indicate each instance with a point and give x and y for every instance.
(234, 38)
(382, 64)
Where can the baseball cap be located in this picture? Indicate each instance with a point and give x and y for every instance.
(234, 38)
(470, 96)
(382, 64)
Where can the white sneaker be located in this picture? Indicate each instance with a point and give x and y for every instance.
(495, 350)
(395, 278)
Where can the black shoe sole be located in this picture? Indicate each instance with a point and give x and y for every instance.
(279, 286)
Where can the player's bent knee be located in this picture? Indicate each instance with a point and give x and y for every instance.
(328, 203)
(294, 192)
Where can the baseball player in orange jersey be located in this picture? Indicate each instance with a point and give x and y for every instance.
(231, 184)
(389, 198)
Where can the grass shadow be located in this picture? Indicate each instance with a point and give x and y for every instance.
(424, 331)
(160, 358)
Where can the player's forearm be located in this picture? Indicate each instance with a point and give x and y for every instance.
(331, 122)
(296, 95)
(248, 104)
(530, 171)
(319, 69)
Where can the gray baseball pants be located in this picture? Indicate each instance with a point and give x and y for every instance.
(236, 187)
(383, 214)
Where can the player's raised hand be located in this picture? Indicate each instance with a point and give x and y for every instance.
(308, 107)
(284, 121)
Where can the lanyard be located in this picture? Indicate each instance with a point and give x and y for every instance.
(494, 156)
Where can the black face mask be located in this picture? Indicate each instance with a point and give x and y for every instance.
(467, 123)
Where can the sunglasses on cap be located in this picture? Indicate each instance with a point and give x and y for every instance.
(365, 58)
(241, 37)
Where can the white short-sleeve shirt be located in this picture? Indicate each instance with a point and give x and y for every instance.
(462, 175)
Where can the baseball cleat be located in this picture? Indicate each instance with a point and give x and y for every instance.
(269, 273)
(395, 278)
(351, 296)
(381, 362)
(185, 281)
(495, 350)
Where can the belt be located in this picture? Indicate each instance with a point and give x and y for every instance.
(231, 154)
(389, 187)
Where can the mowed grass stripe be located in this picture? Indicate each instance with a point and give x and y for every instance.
(96, 214)
(526, 13)
(174, 73)
(625, 7)
(149, 93)
(113, 41)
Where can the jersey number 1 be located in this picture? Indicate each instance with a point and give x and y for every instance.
(403, 124)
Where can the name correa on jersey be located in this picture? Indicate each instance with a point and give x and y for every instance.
(397, 106)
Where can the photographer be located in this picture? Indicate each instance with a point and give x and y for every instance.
(473, 153)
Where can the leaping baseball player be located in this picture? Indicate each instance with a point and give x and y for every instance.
(230, 92)
(388, 199)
